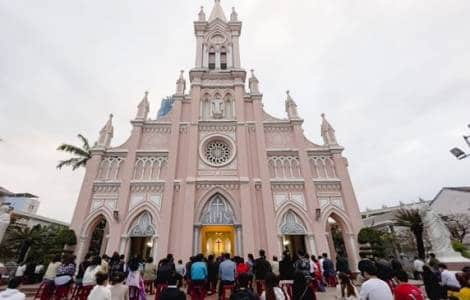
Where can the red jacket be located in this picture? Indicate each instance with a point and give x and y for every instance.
(406, 291)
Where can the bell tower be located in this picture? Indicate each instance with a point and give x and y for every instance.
(217, 40)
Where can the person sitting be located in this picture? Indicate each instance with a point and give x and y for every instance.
(301, 290)
(464, 293)
(100, 291)
(346, 289)
(404, 290)
(242, 292)
(12, 292)
(449, 281)
(373, 288)
(119, 291)
(172, 292)
(272, 290)
(65, 271)
(89, 278)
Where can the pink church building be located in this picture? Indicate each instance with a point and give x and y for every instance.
(217, 173)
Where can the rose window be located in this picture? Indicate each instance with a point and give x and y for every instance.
(218, 152)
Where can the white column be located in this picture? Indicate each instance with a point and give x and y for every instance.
(196, 239)
(311, 243)
(281, 244)
(238, 236)
(154, 248)
(229, 57)
(236, 52)
(199, 51)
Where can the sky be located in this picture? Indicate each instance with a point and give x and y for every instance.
(393, 78)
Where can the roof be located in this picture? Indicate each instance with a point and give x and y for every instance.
(217, 12)
(5, 192)
(38, 217)
(464, 189)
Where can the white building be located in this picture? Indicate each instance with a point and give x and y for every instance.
(23, 202)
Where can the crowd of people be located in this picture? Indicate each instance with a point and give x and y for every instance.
(293, 277)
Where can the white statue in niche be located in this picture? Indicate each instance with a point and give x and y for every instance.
(217, 107)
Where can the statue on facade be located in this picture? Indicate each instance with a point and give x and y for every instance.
(218, 108)
(4, 220)
(438, 233)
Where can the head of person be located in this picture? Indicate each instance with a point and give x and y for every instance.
(56, 258)
(115, 257)
(442, 267)
(402, 276)
(200, 257)
(262, 253)
(324, 255)
(226, 256)
(169, 257)
(426, 269)
(172, 280)
(14, 283)
(88, 257)
(180, 262)
(274, 258)
(101, 278)
(300, 254)
(149, 260)
(243, 280)
(133, 264)
(96, 260)
(314, 258)
(67, 259)
(250, 256)
(432, 255)
(122, 257)
(118, 277)
(368, 270)
(270, 281)
(211, 257)
(105, 257)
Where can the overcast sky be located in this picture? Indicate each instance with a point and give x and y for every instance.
(392, 76)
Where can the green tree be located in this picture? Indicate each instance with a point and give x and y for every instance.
(411, 219)
(23, 239)
(82, 154)
(374, 239)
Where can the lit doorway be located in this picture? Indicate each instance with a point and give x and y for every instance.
(98, 241)
(217, 239)
(293, 244)
(141, 247)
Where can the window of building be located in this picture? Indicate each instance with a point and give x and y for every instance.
(223, 59)
(211, 59)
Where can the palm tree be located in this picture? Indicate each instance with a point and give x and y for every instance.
(412, 219)
(82, 154)
(24, 238)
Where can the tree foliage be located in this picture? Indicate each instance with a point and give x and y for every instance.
(458, 224)
(82, 154)
(411, 219)
(374, 242)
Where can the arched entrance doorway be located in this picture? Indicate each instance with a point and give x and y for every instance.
(99, 237)
(293, 233)
(217, 232)
(340, 240)
(141, 236)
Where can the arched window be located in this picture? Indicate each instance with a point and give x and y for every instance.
(223, 58)
(211, 59)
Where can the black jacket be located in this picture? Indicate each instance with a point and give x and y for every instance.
(261, 267)
(172, 294)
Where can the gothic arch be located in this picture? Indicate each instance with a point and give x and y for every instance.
(143, 225)
(92, 220)
(339, 216)
(291, 224)
(208, 196)
(137, 212)
(302, 217)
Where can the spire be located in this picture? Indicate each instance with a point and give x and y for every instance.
(180, 84)
(253, 83)
(291, 107)
(202, 15)
(328, 132)
(143, 108)
(106, 134)
(233, 15)
(217, 12)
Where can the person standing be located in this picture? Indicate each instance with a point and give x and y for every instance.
(329, 270)
(100, 291)
(301, 290)
(286, 268)
(180, 268)
(89, 278)
(433, 262)
(172, 292)
(261, 266)
(226, 273)
(342, 264)
(275, 266)
(346, 289)
(119, 291)
(12, 292)
(272, 290)
(51, 270)
(134, 279)
(65, 271)
(431, 284)
(418, 265)
(212, 272)
(242, 292)
(199, 275)
(373, 288)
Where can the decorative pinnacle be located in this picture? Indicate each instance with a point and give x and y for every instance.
(323, 116)
(288, 93)
(111, 116)
(146, 93)
(252, 72)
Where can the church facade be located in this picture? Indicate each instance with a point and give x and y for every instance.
(215, 172)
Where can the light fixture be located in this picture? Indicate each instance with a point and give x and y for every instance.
(149, 244)
(458, 153)
(285, 242)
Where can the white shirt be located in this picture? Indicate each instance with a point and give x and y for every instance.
(20, 271)
(375, 289)
(100, 292)
(89, 277)
(418, 265)
(180, 269)
(313, 266)
(12, 294)
(275, 267)
(448, 278)
(321, 264)
(277, 292)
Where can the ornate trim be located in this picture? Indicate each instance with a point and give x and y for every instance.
(225, 185)
(150, 187)
(106, 187)
(286, 187)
